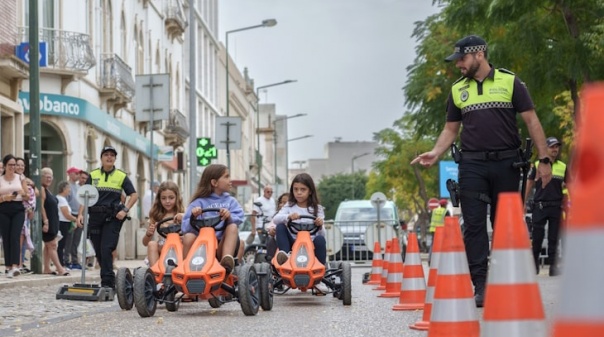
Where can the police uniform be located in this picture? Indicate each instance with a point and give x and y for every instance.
(104, 227)
(547, 208)
(490, 144)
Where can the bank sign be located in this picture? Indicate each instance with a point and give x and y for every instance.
(73, 107)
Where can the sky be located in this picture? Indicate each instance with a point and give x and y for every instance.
(349, 58)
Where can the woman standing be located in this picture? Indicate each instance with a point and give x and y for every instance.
(65, 217)
(13, 190)
(30, 206)
(50, 225)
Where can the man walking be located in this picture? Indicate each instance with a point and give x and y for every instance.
(73, 238)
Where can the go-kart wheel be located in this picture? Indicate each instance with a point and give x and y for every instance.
(144, 292)
(123, 288)
(171, 304)
(346, 289)
(214, 302)
(266, 287)
(249, 296)
(249, 256)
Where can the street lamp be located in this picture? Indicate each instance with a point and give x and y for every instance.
(275, 143)
(352, 169)
(265, 23)
(259, 162)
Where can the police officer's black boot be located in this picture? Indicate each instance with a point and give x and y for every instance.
(554, 270)
(479, 295)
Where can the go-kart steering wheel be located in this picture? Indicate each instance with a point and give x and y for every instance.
(310, 227)
(164, 231)
(212, 221)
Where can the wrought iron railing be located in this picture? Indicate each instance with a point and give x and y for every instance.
(116, 74)
(66, 50)
(177, 124)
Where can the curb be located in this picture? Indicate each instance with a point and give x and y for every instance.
(37, 280)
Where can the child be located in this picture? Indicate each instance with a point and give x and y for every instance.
(213, 192)
(168, 203)
(303, 200)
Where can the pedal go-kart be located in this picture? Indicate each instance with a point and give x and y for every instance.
(132, 290)
(303, 271)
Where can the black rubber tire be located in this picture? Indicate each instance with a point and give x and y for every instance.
(215, 303)
(144, 292)
(346, 277)
(171, 305)
(123, 287)
(265, 286)
(249, 294)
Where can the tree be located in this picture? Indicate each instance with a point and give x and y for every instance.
(339, 187)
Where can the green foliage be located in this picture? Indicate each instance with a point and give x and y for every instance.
(339, 187)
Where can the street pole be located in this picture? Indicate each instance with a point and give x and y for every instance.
(192, 100)
(35, 141)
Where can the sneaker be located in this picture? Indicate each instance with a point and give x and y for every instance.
(9, 273)
(228, 263)
(75, 266)
(16, 271)
(282, 257)
(321, 289)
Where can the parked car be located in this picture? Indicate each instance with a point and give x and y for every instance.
(357, 220)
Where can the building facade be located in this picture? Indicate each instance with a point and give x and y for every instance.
(341, 157)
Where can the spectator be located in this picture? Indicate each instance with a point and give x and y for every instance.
(83, 178)
(148, 199)
(75, 232)
(50, 225)
(13, 190)
(66, 220)
(267, 209)
(30, 205)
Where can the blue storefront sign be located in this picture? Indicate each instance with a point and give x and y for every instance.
(22, 52)
(446, 170)
(73, 107)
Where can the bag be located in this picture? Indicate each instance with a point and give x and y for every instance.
(89, 248)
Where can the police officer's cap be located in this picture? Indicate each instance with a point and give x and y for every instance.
(551, 141)
(467, 45)
(108, 149)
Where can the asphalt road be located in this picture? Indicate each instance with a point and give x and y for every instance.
(34, 311)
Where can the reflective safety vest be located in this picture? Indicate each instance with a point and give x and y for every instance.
(438, 218)
(109, 186)
(558, 170)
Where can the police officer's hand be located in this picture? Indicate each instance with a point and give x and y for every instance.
(426, 159)
(121, 215)
(224, 213)
(544, 172)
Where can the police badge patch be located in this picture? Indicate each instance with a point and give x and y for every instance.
(464, 95)
(95, 182)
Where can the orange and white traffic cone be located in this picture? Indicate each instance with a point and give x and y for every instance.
(385, 262)
(395, 271)
(513, 306)
(581, 309)
(454, 308)
(413, 289)
(376, 265)
(424, 324)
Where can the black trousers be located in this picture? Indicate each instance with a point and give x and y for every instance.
(551, 216)
(12, 218)
(491, 178)
(105, 236)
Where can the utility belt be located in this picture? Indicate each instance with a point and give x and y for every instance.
(102, 209)
(491, 155)
(544, 204)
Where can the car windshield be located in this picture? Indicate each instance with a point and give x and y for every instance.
(364, 214)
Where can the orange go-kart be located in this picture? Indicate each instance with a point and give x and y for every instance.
(304, 271)
(137, 290)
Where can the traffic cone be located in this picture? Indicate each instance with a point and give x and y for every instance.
(395, 271)
(376, 265)
(454, 308)
(385, 262)
(412, 292)
(581, 308)
(513, 305)
(424, 324)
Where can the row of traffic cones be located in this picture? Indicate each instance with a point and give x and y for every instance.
(513, 305)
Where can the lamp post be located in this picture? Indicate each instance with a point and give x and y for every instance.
(275, 143)
(352, 169)
(287, 155)
(265, 23)
(259, 162)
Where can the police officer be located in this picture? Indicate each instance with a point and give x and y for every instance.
(547, 205)
(108, 214)
(486, 100)
(436, 220)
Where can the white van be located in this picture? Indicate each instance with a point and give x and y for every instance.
(354, 216)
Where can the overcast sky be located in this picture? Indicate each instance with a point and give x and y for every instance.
(348, 56)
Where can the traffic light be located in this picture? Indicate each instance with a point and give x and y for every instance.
(206, 151)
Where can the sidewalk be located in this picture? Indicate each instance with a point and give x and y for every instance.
(39, 280)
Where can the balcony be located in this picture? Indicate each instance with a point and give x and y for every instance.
(69, 53)
(176, 129)
(115, 80)
(175, 19)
